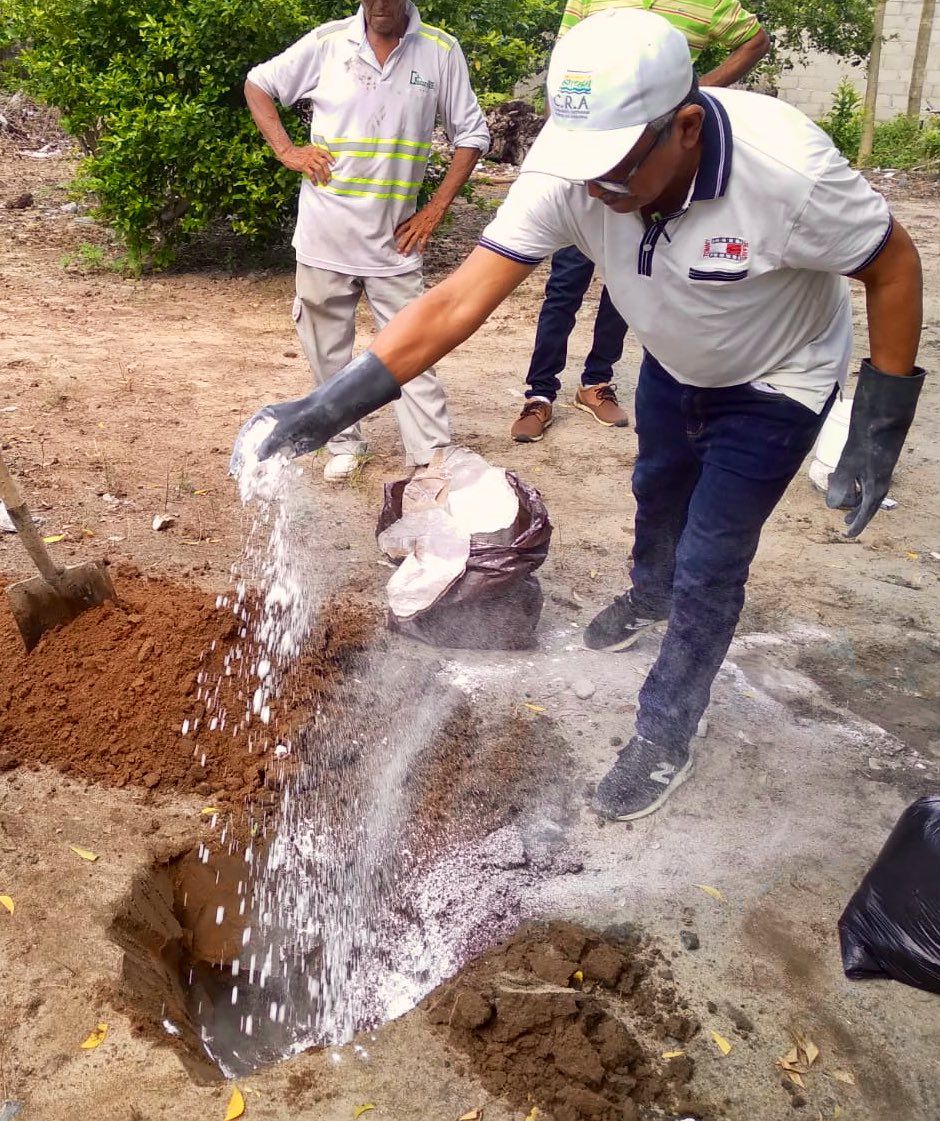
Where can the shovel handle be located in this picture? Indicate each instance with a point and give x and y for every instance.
(25, 527)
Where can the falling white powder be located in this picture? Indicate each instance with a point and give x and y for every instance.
(342, 928)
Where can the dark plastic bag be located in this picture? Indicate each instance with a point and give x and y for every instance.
(497, 602)
(891, 927)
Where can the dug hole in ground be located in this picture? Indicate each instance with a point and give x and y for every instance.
(531, 958)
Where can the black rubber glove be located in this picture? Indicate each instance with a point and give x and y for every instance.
(882, 412)
(302, 426)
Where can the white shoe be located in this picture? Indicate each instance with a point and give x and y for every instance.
(340, 467)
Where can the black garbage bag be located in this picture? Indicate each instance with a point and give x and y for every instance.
(497, 602)
(891, 927)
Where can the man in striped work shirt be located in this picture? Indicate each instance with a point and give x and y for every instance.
(724, 24)
(377, 81)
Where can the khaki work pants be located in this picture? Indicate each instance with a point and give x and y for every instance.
(325, 317)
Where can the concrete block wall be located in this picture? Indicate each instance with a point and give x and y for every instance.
(811, 87)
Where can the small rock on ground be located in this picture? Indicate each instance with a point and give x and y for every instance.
(583, 688)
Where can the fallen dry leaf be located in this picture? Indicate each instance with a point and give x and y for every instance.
(236, 1105)
(533, 1113)
(577, 977)
(533, 708)
(845, 1076)
(672, 1054)
(807, 1050)
(473, 1115)
(6, 901)
(712, 891)
(209, 810)
(361, 1109)
(54, 538)
(85, 854)
(838, 1111)
(797, 1061)
(721, 1043)
(790, 1060)
(96, 1038)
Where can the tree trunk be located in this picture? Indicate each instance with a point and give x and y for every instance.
(921, 51)
(871, 85)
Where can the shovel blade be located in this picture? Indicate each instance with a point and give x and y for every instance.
(38, 606)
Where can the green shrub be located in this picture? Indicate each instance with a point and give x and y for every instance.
(154, 95)
(844, 120)
(904, 143)
(504, 40)
(155, 99)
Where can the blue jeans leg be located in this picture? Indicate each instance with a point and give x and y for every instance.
(607, 347)
(749, 444)
(568, 280)
(665, 472)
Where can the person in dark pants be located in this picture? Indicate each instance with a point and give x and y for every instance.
(569, 279)
(727, 225)
(724, 24)
(712, 465)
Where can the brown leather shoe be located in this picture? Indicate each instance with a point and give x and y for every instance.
(601, 402)
(530, 426)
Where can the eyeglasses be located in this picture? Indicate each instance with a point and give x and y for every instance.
(622, 187)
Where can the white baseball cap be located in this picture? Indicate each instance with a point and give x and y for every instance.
(608, 78)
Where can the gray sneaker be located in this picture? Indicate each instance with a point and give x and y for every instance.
(641, 780)
(618, 626)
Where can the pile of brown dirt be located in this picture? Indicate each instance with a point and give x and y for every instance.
(574, 1022)
(105, 698)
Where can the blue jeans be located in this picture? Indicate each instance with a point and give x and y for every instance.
(712, 465)
(570, 276)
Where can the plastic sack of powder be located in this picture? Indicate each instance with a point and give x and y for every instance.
(891, 927)
(495, 602)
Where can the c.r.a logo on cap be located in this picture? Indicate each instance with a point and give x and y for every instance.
(571, 100)
(576, 81)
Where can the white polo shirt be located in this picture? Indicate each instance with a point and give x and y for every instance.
(746, 283)
(378, 121)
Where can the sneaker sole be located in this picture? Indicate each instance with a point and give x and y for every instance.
(625, 643)
(603, 423)
(533, 439)
(680, 778)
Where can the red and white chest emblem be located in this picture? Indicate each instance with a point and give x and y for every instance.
(726, 249)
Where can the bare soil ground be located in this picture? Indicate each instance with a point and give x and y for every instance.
(119, 399)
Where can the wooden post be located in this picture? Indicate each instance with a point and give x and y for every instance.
(871, 85)
(921, 50)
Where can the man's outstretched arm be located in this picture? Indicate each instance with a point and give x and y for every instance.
(415, 339)
(448, 314)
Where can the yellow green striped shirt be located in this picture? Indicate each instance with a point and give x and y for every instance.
(722, 23)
